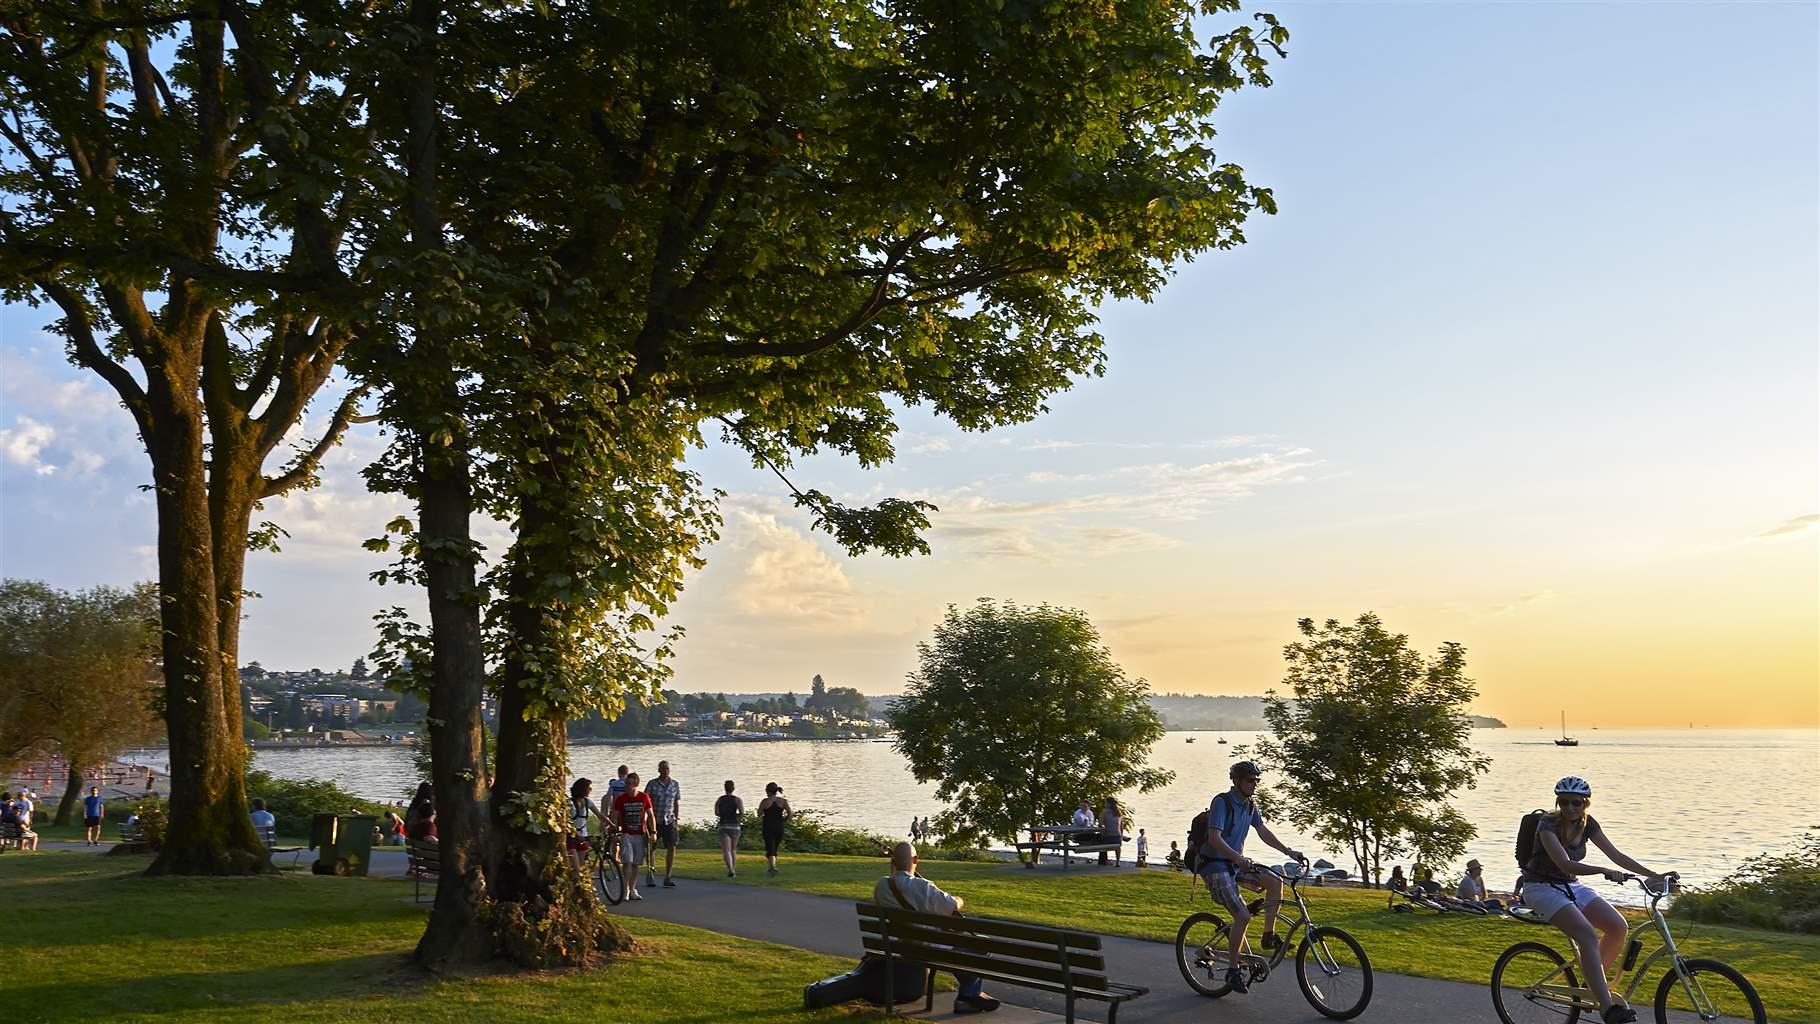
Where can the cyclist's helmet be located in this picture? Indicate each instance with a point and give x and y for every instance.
(1245, 770)
(1573, 785)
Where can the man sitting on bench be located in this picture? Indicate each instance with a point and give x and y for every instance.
(902, 888)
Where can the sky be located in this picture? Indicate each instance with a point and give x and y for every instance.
(1529, 361)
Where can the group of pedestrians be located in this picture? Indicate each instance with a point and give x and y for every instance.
(729, 817)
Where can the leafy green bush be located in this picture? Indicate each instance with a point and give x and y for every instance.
(293, 801)
(808, 831)
(1779, 891)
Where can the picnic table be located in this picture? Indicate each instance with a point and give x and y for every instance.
(1066, 840)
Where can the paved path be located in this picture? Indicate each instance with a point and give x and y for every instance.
(828, 925)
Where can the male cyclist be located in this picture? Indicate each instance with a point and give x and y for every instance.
(1230, 818)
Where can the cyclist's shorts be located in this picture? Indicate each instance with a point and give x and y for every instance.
(575, 842)
(1223, 885)
(1546, 899)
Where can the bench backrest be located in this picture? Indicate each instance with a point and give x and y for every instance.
(1010, 948)
(424, 854)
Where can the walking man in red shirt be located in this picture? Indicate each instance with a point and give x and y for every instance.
(632, 809)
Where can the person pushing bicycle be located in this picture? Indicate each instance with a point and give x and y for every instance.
(1223, 865)
(1549, 889)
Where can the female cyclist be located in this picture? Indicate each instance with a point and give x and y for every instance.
(580, 806)
(1550, 889)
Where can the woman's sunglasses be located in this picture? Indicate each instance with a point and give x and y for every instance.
(1572, 801)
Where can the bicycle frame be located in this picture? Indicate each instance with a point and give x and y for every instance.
(1271, 962)
(1580, 996)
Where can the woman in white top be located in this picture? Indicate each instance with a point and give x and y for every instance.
(580, 806)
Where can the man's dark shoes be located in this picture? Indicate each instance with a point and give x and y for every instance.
(669, 884)
(1235, 980)
(1271, 941)
(1619, 1014)
(981, 1003)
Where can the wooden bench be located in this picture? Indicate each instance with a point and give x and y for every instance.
(424, 860)
(132, 837)
(1067, 963)
(11, 834)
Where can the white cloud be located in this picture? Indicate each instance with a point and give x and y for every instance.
(22, 444)
(789, 580)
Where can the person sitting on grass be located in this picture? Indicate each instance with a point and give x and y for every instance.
(903, 888)
(1174, 860)
(1397, 882)
(1472, 884)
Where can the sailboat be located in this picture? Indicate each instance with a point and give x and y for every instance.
(1566, 740)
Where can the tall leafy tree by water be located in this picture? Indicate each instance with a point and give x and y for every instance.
(78, 675)
(1017, 714)
(181, 182)
(1372, 741)
(780, 221)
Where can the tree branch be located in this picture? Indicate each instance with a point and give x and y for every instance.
(90, 354)
(305, 467)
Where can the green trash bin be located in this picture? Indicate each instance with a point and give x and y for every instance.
(354, 843)
(345, 842)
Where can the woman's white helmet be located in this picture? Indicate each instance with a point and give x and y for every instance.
(1573, 785)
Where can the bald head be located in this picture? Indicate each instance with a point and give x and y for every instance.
(903, 857)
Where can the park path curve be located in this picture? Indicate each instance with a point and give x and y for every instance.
(827, 924)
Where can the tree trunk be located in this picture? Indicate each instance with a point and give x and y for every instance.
(210, 832)
(455, 934)
(428, 400)
(72, 794)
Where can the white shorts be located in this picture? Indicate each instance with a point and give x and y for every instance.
(1546, 899)
(632, 848)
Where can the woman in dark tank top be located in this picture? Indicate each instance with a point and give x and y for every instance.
(1549, 888)
(772, 811)
(729, 809)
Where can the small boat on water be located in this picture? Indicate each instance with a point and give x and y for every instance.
(1222, 741)
(1191, 739)
(1566, 740)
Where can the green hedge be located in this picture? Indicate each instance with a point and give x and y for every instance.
(293, 801)
(1780, 891)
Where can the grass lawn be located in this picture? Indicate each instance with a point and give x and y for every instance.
(1784, 967)
(89, 939)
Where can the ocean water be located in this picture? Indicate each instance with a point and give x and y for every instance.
(1697, 801)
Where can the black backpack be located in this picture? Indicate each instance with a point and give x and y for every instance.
(1197, 835)
(1526, 837)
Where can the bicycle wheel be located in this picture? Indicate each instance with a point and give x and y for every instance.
(1334, 972)
(609, 879)
(1203, 954)
(1529, 986)
(1719, 993)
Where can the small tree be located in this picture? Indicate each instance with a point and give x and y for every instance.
(1373, 742)
(1019, 712)
(78, 673)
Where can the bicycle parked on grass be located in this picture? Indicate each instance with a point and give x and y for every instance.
(607, 868)
(1330, 965)
(1534, 982)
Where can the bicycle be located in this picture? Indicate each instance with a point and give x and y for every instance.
(609, 872)
(1533, 982)
(1330, 965)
